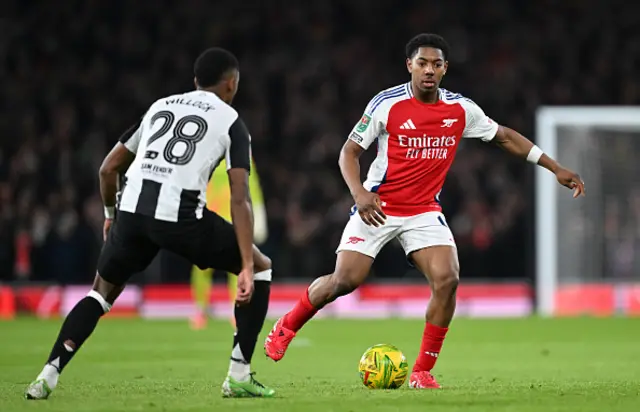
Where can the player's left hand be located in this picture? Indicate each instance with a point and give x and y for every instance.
(572, 180)
(106, 228)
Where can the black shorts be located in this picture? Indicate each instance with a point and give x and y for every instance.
(134, 240)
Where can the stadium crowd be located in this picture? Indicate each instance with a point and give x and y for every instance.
(77, 73)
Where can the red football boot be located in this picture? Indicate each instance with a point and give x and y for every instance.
(278, 341)
(423, 380)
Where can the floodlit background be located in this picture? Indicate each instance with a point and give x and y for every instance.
(75, 74)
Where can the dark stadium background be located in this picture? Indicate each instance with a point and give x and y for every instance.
(75, 74)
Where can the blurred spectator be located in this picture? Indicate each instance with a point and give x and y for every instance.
(77, 73)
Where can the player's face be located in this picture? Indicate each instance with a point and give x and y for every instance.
(427, 68)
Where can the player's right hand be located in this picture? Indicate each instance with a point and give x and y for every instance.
(370, 208)
(245, 286)
(106, 228)
(572, 180)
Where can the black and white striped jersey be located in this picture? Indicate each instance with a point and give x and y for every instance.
(178, 143)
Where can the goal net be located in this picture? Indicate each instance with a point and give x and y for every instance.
(588, 249)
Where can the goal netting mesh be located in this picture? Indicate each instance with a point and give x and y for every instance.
(598, 237)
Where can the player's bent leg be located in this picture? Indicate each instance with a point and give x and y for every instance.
(358, 247)
(127, 250)
(77, 327)
(240, 381)
(352, 268)
(440, 266)
(223, 253)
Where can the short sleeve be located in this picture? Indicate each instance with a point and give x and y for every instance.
(368, 128)
(238, 153)
(131, 137)
(478, 125)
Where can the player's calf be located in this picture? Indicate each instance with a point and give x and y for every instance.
(328, 288)
(323, 290)
(440, 266)
(444, 285)
(249, 321)
(261, 262)
(352, 268)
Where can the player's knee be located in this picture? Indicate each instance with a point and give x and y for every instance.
(106, 306)
(107, 290)
(446, 283)
(342, 285)
(261, 262)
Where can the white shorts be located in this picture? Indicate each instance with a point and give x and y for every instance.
(413, 232)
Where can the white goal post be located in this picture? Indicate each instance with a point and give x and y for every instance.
(549, 122)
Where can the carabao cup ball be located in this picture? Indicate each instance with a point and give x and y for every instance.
(383, 367)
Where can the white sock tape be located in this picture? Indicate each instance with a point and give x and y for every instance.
(106, 307)
(534, 155)
(264, 276)
(109, 212)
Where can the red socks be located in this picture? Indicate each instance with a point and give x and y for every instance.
(300, 314)
(432, 339)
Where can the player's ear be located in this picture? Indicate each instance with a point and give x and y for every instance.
(409, 65)
(446, 66)
(231, 84)
(195, 82)
(232, 80)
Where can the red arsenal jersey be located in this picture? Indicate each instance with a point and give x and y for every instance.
(416, 145)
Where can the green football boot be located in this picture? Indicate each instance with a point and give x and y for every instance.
(250, 388)
(37, 389)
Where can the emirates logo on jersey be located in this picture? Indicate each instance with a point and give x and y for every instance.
(426, 141)
(426, 147)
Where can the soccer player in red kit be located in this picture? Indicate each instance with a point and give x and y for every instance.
(418, 126)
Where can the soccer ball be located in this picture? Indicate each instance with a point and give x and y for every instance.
(383, 367)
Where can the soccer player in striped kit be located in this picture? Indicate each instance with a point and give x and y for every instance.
(169, 156)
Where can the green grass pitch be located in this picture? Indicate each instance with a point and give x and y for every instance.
(487, 365)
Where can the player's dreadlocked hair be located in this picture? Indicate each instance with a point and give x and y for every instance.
(212, 64)
(427, 40)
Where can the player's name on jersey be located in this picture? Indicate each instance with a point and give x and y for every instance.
(189, 102)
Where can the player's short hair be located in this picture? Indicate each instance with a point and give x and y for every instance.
(212, 64)
(427, 40)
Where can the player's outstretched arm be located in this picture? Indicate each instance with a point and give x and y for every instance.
(518, 145)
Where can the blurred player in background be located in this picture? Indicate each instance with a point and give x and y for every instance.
(218, 201)
(417, 126)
